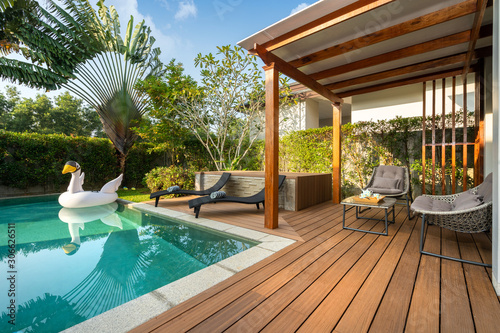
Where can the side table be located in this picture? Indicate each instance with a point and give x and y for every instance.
(387, 204)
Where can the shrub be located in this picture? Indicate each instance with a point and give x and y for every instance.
(162, 178)
(29, 159)
(307, 151)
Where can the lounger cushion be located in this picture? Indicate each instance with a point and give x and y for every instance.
(423, 203)
(217, 194)
(485, 189)
(392, 172)
(173, 188)
(467, 200)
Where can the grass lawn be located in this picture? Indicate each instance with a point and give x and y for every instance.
(137, 195)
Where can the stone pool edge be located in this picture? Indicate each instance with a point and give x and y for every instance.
(138, 311)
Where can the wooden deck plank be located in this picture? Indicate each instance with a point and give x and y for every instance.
(325, 317)
(278, 299)
(292, 317)
(393, 310)
(484, 302)
(367, 300)
(423, 315)
(455, 308)
(340, 280)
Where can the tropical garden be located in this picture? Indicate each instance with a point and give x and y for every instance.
(123, 110)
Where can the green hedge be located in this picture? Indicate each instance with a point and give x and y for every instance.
(370, 143)
(28, 160)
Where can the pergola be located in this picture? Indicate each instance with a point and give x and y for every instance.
(342, 48)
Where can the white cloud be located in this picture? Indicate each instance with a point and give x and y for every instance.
(186, 9)
(299, 8)
(164, 3)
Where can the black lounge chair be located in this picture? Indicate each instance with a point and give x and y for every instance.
(220, 183)
(255, 199)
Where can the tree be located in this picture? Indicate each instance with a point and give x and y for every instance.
(7, 103)
(65, 115)
(83, 52)
(162, 125)
(107, 81)
(226, 113)
(53, 41)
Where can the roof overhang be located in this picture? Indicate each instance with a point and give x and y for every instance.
(340, 48)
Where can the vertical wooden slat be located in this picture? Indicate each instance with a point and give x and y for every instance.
(271, 148)
(443, 139)
(336, 165)
(424, 100)
(464, 157)
(479, 126)
(453, 138)
(434, 137)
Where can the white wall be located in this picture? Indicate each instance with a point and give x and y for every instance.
(407, 101)
(496, 146)
(293, 118)
(312, 114)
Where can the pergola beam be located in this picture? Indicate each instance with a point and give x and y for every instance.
(403, 82)
(295, 74)
(432, 64)
(425, 21)
(436, 44)
(476, 27)
(327, 21)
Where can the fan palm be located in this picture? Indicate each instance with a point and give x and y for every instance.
(83, 51)
(54, 41)
(107, 81)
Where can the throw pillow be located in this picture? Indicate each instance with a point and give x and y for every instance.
(380, 182)
(467, 200)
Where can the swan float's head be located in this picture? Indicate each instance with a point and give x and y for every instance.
(71, 166)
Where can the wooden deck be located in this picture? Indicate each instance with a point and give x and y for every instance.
(344, 281)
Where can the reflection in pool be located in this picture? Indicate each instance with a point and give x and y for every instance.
(73, 264)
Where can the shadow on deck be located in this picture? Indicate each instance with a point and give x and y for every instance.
(344, 281)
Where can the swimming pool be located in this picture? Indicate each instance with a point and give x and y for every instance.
(69, 265)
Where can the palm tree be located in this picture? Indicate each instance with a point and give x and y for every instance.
(107, 81)
(83, 52)
(52, 41)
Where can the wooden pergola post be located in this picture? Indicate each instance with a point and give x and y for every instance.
(337, 153)
(271, 149)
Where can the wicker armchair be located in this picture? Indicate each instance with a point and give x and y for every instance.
(470, 220)
(401, 191)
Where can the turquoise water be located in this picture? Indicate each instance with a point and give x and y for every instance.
(71, 265)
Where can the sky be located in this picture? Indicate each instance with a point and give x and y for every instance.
(185, 28)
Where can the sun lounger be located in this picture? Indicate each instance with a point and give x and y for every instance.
(220, 183)
(255, 199)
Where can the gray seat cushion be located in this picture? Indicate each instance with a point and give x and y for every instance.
(424, 203)
(390, 172)
(485, 189)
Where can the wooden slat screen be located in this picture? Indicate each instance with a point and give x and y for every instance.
(449, 140)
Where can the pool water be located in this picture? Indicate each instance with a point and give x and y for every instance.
(72, 264)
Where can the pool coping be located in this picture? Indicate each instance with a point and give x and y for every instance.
(140, 310)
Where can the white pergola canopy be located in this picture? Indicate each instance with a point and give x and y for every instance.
(352, 47)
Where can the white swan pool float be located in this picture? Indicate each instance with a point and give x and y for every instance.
(76, 197)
